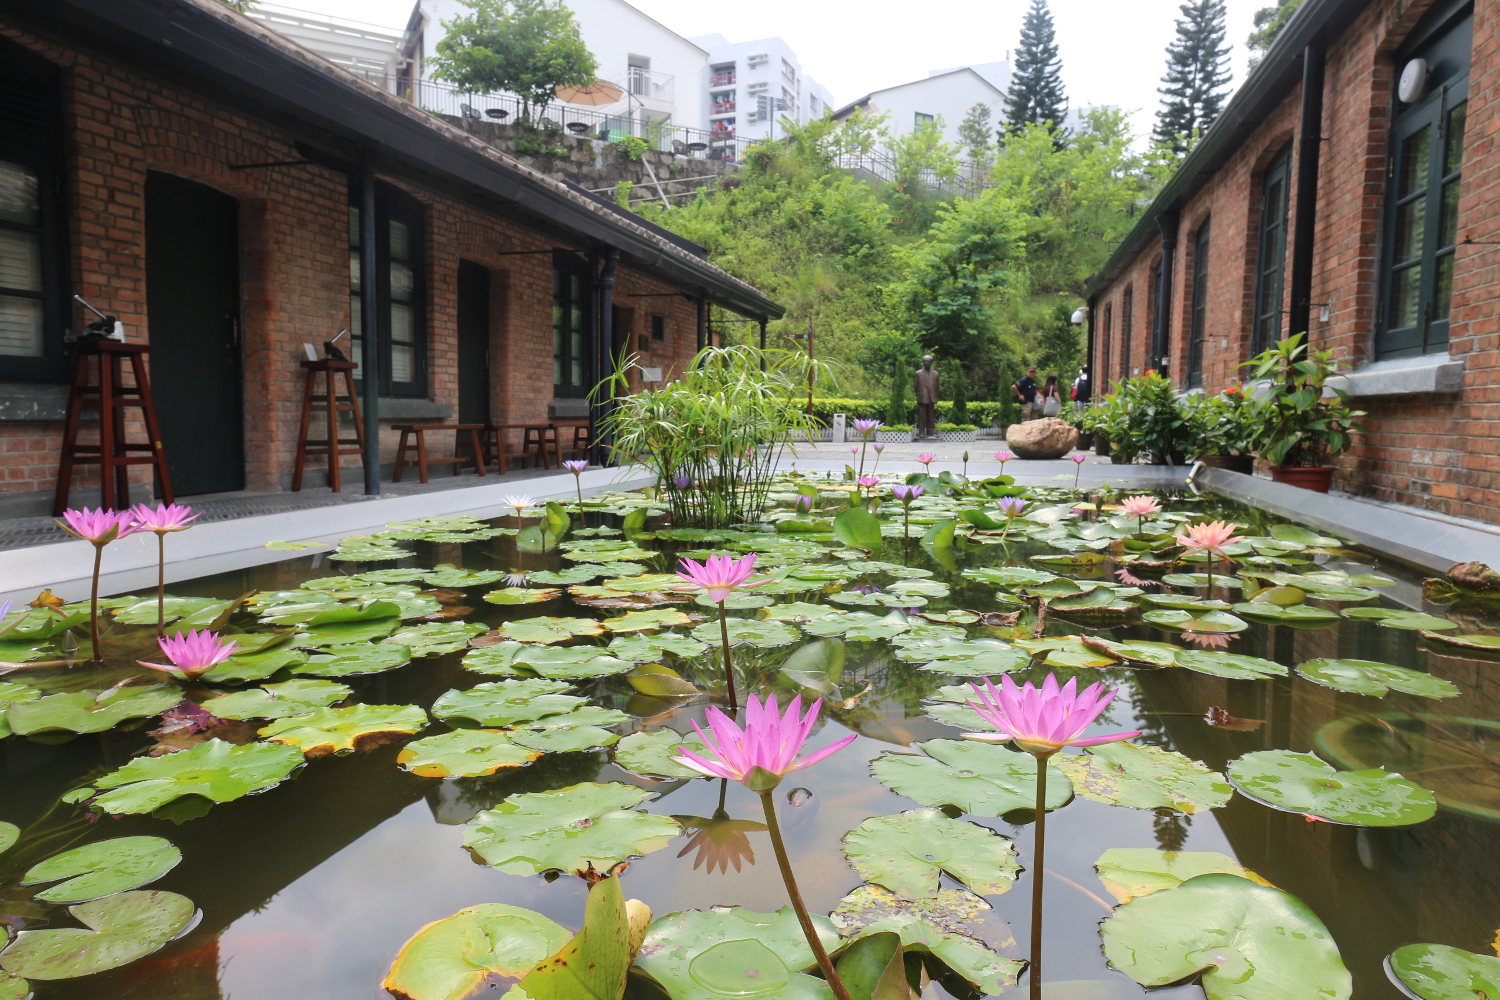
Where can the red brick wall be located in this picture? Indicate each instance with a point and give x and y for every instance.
(1439, 452)
(294, 263)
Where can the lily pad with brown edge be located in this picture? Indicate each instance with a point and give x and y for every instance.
(90, 711)
(1235, 666)
(218, 771)
(452, 576)
(658, 681)
(647, 621)
(103, 868)
(1203, 623)
(1301, 783)
(941, 926)
(550, 630)
(982, 779)
(343, 730)
(277, 701)
(1443, 972)
(572, 829)
(1246, 941)
(436, 638)
(907, 854)
(1294, 616)
(522, 595)
(1137, 651)
(1129, 872)
(652, 753)
(597, 961)
(1369, 677)
(1069, 651)
(720, 953)
(507, 703)
(464, 753)
(1476, 643)
(564, 739)
(449, 959)
(1144, 777)
(354, 660)
(121, 928)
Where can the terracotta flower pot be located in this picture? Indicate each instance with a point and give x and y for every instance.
(1233, 463)
(1316, 478)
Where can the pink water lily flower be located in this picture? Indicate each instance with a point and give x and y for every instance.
(98, 526)
(720, 575)
(576, 466)
(926, 458)
(868, 427)
(868, 481)
(762, 753)
(906, 494)
(166, 517)
(1140, 506)
(1210, 537)
(1080, 459)
(192, 653)
(1003, 456)
(1011, 506)
(1042, 721)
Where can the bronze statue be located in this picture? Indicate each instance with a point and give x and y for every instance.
(927, 397)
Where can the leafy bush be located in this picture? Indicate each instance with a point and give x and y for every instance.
(632, 147)
(1302, 421)
(985, 414)
(956, 427)
(1220, 424)
(898, 428)
(1142, 419)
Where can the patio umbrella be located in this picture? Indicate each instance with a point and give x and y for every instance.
(596, 93)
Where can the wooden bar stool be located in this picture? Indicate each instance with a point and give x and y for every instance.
(416, 434)
(536, 442)
(496, 449)
(113, 453)
(331, 444)
(582, 441)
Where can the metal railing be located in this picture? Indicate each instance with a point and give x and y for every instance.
(884, 169)
(506, 109)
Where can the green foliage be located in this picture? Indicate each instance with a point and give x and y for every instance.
(1222, 423)
(921, 159)
(1197, 79)
(632, 147)
(1036, 94)
(623, 191)
(1302, 421)
(1143, 419)
(1268, 24)
(525, 47)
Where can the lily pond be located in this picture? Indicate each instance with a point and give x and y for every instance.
(457, 714)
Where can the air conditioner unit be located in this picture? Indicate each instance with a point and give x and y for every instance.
(758, 60)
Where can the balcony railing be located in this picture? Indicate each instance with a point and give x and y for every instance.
(722, 108)
(722, 80)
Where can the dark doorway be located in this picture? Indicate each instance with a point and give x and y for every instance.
(193, 300)
(473, 343)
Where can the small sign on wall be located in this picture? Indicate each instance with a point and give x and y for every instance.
(650, 374)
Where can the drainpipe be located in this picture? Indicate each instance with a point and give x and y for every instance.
(1161, 336)
(1309, 144)
(1088, 354)
(369, 327)
(604, 352)
(762, 343)
(702, 305)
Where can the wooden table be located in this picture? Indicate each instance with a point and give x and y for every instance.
(419, 431)
(536, 441)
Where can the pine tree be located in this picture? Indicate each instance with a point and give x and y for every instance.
(1036, 91)
(1268, 24)
(1197, 79)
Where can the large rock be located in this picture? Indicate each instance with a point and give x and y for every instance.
(1048, 437)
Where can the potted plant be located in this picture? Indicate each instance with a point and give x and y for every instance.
(956, 432)
(1222, 428)
(894, 434)
(1302, 424)
(1076, 419)
(1143, 420)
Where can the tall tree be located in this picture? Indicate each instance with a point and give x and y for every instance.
(1268, 24)
(525, 47)
(1197, 79)
(977, 136)
(1036, 90)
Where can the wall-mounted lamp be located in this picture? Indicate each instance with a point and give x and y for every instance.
(1327, 312)
(1080, 315)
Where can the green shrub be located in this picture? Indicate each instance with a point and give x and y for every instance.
(899, 428)
(632, 147)
(1302, 421)
(1143, 419)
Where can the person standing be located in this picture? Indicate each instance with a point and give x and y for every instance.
(1083, 390)
(1025, 390)
(927, 397)
(1049, 398)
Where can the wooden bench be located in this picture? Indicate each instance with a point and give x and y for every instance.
(457, 459)
(537, 442)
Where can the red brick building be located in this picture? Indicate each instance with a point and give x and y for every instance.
(1331, 198)
(203, 179)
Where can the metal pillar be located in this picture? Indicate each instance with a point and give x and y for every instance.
(369, 326)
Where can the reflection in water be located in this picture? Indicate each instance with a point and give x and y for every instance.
(719, 841)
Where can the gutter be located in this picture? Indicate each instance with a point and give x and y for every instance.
(1309, 145)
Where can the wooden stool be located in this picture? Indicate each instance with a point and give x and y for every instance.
(583, 441)
(419, 431)
(113, 452)
(332, 445)
(536, 440)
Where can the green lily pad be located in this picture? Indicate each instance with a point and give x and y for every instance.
(344, 730)
(1414, 621)
(90, 711)
(1128, 872)
(649, 648)
(583, 715)
(144, 612)
(368, 548)
(907, 853)
(121, 928)
(346, 633)
(564, 739)
(9, 834)
(1204, 622)
(1442, 972)
(568, 829)
(564, 662)
(975, 658)
(436, 638)
(460, 579)
(522, 595)
(549, 630)
(1235, 666)
(1300, 535)
(1477, 642)
(581, 573)
(1249, 941)
(277, 701)
(1158, 654)
(858, 529)
(215, 770)
(1375, 679)
(604, 550)
(937, 926)
(1301, 783)
(728, 952)
(981, 779)
(449, 959)
(351, 661)
(647, 621)
(734, 602)
(103, 868)
(652, 753)
(1008, 576)
(748, 632)
(12, 693)
(506, 703)
(1295, 615)
(1199, 580)
(1144, 777)
(857, 625)
(257, 665)
(464, 753)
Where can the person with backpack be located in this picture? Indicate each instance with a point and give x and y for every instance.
(1083, 390)
(1025, 390)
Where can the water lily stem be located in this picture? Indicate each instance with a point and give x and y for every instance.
(808, 931)
(94, 601)
(906, 534)
(161, 584)
(1038, 859)
(734, 702)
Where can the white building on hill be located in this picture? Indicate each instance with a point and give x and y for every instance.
(945, 94)
(751, 86)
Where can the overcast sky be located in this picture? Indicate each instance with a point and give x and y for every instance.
(1112, 51)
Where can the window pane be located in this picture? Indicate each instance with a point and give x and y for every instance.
(1405, 295)
(401, 282)
(1448, 233)
(1453, 152)
(354, 270)
(1415, 153)
(353, 226)
(20, 199)
(1411, 226)
(400, 323)
(400, 241)
(356, 316)
(1442, 295)
(20, 326)
(20, 260)
(402, 363)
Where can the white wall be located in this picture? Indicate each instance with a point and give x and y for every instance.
(949, 95)
(367, 48)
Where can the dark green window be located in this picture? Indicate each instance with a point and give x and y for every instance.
(1423, 183)
(1200, 310)
(571, 319)
(1270, 268)
(399, 287)
(1127, 324)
